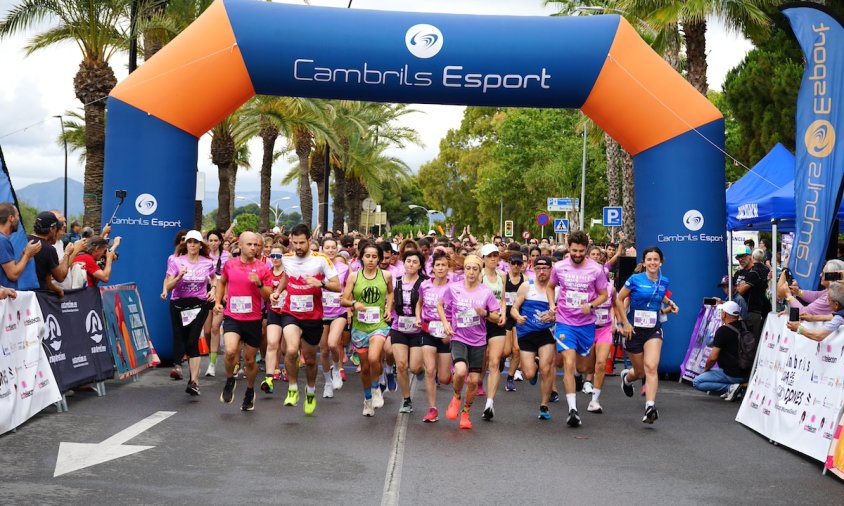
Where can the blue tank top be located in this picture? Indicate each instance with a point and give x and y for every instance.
(536, 302)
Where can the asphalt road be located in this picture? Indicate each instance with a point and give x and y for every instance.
(212, 453)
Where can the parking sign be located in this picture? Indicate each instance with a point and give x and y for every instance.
(612, 217)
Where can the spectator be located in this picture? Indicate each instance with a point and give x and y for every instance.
(47, 265)
(96, 250)
(7, 292)
(74, 234)
(729, 378)
(751, 282)
(11, 269)
(836, 301)
(810, 302)
(737, 298)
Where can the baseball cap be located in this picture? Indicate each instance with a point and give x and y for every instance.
(489, 249)
(46, 220)
(431, 232)
(743, 251)
(195, 235)
(731, 308)
(395, 247)
(516, 257)
(542, 262)
(724, 281)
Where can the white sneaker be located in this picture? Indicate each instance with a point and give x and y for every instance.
(211, 371)
(377, 398)
(518, 376)
(368, 410)
(328, 391)
(594, 407)
(587, 387)
(336, 379)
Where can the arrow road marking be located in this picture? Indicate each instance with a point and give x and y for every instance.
(76, 456)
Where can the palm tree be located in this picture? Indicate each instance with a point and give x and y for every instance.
(228, 140)
(94, 26)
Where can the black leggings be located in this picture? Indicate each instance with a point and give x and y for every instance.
(186, 337)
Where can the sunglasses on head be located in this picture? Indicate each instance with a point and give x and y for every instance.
(276, 256)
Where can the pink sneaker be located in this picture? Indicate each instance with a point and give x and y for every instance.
(431, 416)
(481, 390)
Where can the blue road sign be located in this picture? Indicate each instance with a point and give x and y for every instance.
(561, 226)
(612, 216)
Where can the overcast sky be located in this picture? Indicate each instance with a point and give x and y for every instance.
(35, 88)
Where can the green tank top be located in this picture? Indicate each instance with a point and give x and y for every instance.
(373, 294)
(495, 285)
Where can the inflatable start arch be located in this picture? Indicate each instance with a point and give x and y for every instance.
(598, 64)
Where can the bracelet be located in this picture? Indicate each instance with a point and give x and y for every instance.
(800, 330)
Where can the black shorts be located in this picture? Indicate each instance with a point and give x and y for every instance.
(636, 344)
(186, 337)
(327, 321)
(436, 342)
(511, 322)
(274, 318)
(409, 340)
(473, 356)
(493, 330)
(311, 329)
(248, 330)
(532, 341)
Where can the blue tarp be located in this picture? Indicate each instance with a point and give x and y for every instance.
(7, 194)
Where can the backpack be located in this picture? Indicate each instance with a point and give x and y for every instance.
(747, 344)
(77, 277)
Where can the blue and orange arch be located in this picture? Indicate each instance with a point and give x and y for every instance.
(599, 64)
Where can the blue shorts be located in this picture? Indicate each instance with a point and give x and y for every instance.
(580, 339)
(360, 339)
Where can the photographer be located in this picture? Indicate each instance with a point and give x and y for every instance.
(810, 302)
(836, 301)
(751, 282)
(725, 352)
(96, 250)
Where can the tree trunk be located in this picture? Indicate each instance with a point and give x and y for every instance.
(695, 36)
(613, 158)
(339, 203)
(304, 145)
(269, 134)
(672, 47)
(197, 215)
(353, 189)
(92, 83)
(232, 187)
(222, 155)
(628, 205)
(153, 38)
(317, 174)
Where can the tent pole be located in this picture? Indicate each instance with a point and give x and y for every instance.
(775, 276)
(730, 267)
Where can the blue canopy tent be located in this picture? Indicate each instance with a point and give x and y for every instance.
(748, 203)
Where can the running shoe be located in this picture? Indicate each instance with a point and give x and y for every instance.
(277, 375)
(465, 422)
(248, 400)
(535, 378)
(453, 408)
(554, 397)
(343, 374)
(228, 391)
(368, 410)
(284, 376)
(518, 375)
(578, 383)
(481, 391)
(489, 413)
(595, 407)
(328, 391)
(392, 386)
(651, 415)
(627, 388)
(574, 418)
(355, 358)
(377, 398)
(544, 414)
(212, 370)
(337, 378)
(406, 406)
(734, 392)
(588, 387)
(292, 398)
(510, 386)
(192, 388)
(176, 373)
(267, 385)
(310, 403)
(431, 416)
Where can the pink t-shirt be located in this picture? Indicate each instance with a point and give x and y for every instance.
(219, 260)
(331, 307)
(459, 303)
(430, 294)
(397, 270)
(406, 321)
(194, 284)
(578, 285)
(244, 297)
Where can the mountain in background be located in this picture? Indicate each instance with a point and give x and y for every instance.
(50, 195)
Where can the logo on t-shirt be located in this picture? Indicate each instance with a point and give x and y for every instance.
(370, 295)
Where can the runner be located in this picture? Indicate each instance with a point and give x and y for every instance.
(334, 320)
(646, 291)
(189, 274)
(534, 321)
(605, 318)
(465, 308)
(436, 349)
(389, 263)
(215, 320)
(583, 287)
(245, 282)
(495, 331)
(274, 337)
(405, 338)
(307, 274)
(369, 292)
(514, 280)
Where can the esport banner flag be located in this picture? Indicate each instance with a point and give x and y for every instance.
(700, 345)
(27, 279)
(819, 168)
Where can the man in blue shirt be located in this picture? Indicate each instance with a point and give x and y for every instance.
(10, 268)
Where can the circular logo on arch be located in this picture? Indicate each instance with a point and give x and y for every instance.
(424, 41)
(820, 138)
(146, 204)
(693, 220)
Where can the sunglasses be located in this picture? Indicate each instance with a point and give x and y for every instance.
(516, 263)
(276, 256)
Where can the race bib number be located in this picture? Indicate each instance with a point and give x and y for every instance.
(407, 323)
(241, 305)
(602, 316)
(644, 319)
(280, 302)
(331, 299)
(509, 298)
(436, 329)
(370, 315)
(468, 318)
(575, 299)
(189, 315)
(301, 303)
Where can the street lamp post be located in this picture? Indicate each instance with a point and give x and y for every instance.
(64, 138)
(429, 212)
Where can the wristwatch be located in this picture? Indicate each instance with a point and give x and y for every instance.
(323, 283)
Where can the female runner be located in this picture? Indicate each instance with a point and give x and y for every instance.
(436, 350)
(405, 338)
(334, 322)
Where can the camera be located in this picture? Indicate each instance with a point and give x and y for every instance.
(832, 276)
(710, 301)
(121, 194)
(794, 314)
(789, 278)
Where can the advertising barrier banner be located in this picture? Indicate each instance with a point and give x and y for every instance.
(708, 321)
(27, 384)
(126, 328)
(74, 339)
(797, 390)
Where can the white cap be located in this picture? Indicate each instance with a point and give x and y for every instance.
(431, 232)
(731, 308)
(195, 235)
(489, 249)
(395, 247)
